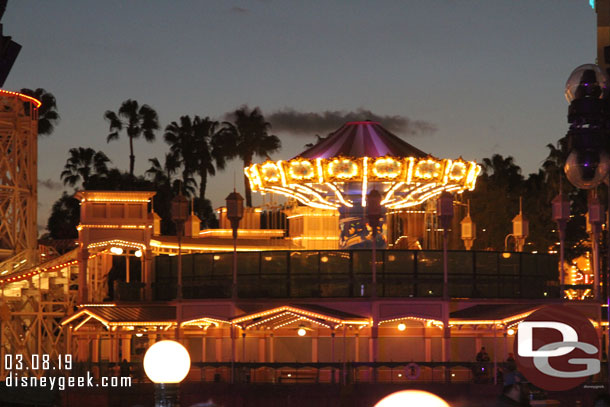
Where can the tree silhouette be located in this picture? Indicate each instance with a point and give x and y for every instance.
(47, 112)
(198, 146)
(65, 217)
(137, 121)
(84, 164)
(248, 132)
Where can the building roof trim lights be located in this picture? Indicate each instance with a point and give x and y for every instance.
(284, 315)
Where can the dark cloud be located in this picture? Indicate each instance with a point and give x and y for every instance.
(49, 184)
(239, 10)
(308, 123)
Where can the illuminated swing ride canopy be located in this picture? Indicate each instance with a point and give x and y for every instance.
(342, 169)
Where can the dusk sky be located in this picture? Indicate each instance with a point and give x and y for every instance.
(453, 77)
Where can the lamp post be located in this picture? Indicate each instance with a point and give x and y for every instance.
(561, 215)
(588, 164)
(166, 364)
(444, 211)
(595, 218)
(179, 212)
(235, 211)
(373, 213)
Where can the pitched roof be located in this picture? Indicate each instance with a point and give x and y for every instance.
(495, 312)
(111, 314)
(136, 313)
(362, 139)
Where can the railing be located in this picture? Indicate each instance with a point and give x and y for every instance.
(338, 373)
(319, 274)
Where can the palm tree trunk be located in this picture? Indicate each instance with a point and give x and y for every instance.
(247, 163)
(132, 158)
(202, 186)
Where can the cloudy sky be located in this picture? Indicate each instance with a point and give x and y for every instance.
(453, 77)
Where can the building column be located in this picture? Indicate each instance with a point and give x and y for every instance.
(271, 353)
(477, 344)
(203, 350)
(243, 347)
(218, 350)
(83, 348)
(147, 271)
(261, 349)
(373, 352)
(427, 348)
(83, 292)
(126, 347)
(357, 348)
(314, 349)
(95, 350)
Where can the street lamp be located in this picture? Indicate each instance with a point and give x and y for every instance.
(561, 215)
(588, 163)
(444, 211)
(235, 211)
(166, 364)
(417, 398)
(179, 212)
(595, 218)
(373, 213)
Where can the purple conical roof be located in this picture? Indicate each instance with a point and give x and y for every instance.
(362, 139)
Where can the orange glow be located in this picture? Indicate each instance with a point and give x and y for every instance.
(23, 97)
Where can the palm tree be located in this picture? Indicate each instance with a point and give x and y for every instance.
(210, 151)
(163, 176)
(47, 112)
(503, 171)
(137, 121)
(196, 144)
(249, 134)
(83, 165)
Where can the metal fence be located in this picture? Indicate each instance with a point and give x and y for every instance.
(338, 273)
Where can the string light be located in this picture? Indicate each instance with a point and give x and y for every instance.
(23, 97)
(301, 312)
(427, 321)
(107, 226)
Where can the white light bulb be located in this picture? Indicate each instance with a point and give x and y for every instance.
(402, 327)
(116, 250)
(138, 253)
(412, 398)
(302, 332)
(167, 362)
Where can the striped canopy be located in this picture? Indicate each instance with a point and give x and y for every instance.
(362, 139)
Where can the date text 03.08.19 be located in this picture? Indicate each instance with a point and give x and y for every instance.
(37, 362)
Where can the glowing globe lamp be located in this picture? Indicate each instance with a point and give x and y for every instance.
(302, 332)
(412, 398)
(167, 362)
(402, 327)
